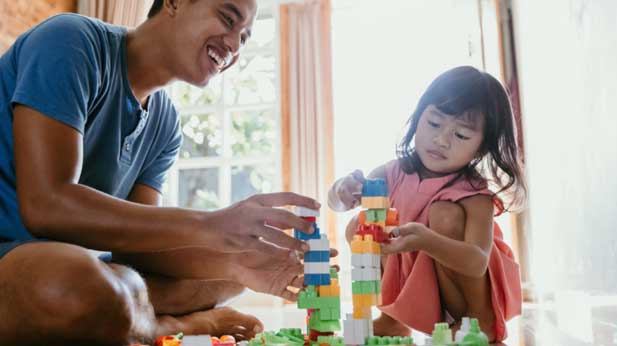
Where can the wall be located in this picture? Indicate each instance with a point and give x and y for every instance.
(566, 54)
(16, 16)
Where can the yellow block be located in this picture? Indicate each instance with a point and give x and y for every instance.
(370, 246)
(332, 290)
(375, 203)
(357, 244)
(361, 313)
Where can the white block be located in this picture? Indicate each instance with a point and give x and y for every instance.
(357, 259)
(356, 274)
(321, 244)
(375, 261)
(302, 211)
(196, 340)
(348, 331)
(316, 268)
(369, 274)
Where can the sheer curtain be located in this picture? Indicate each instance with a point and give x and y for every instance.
(306, 109)
(119, 12)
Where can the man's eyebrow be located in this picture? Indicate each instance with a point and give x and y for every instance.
(233, 8)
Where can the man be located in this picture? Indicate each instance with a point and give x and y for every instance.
(86, 139)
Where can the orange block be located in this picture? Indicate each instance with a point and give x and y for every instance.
(362, 217)
(392, 217)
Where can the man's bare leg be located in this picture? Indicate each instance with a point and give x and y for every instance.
(56, 293)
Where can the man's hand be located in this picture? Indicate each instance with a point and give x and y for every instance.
(274, 271)
(254, 223)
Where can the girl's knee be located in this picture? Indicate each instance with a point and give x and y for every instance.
(448, 219)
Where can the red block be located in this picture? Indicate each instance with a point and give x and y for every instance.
(375, 230)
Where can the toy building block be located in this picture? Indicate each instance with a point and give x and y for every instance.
(365, 260)
(303, 236)
(169, 340)
(224, 340)
(460, 334)
(392, 217)
(361, 312)
(308, 299)
(375, 231)
(323, 326)
(317, 256)
(317, 279)
(374, 187)
(375, 215)
(332, 290)
(330, 340)
(315, 334)
(309, 218)
(389, 340)
(377, 202)
(321, 244)
(317, 268)
(196, 340)
(475, 337)
(306, 212)
(442, 335)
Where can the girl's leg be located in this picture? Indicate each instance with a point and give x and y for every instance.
(461, 295)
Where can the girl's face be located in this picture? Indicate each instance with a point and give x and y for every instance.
(445, 143)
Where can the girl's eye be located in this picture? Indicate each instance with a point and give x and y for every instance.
(433, 124)
(459, 136)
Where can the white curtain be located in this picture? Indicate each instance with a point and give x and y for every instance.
(307, 100)
(128, 13)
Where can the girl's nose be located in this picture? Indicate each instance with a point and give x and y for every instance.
(442, 140)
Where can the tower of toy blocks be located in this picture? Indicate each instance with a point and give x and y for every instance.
(375, 223)
(321, 298)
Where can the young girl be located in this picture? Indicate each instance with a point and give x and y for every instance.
(449, 260)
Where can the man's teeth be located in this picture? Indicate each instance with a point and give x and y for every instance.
(220, 61)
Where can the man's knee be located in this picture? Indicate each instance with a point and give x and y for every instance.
(69, 292)
(448, 219)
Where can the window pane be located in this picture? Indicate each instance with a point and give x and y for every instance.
(263, 34)
(251, 81)
(198, 188)
(202, 135)
(249, 180)
(185, 95)
(253, 132)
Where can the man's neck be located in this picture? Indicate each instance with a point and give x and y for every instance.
(145, 59)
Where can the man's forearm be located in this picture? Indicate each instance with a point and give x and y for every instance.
(84, 216)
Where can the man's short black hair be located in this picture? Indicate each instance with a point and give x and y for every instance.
(156, 7)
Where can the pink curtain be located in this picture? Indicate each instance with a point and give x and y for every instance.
(128, 13)
(306, 59)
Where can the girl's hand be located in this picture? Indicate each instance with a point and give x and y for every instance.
(411, 236)
(349, 191)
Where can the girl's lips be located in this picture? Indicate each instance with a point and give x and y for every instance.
(436, 155)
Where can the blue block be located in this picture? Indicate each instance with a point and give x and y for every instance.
(374, 188)
(317, 279)
(303, 236)
(317, 256)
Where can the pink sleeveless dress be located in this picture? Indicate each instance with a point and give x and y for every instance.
(410, 290)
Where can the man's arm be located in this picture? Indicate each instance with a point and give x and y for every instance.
(52, 203)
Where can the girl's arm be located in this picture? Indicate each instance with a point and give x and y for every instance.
(468, 256)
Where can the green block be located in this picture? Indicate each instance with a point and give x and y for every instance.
(308, 299)
(331, 340)
(323, 326)
(442, 335)
(376, 215)
(356, 287)
(333, 273)
(475, 337)
(366, 287)
(328, 314)
(389, 340)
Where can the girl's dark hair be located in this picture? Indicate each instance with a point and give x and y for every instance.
(465, 91)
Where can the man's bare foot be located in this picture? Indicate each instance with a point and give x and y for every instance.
(385, 325)
(221, 321)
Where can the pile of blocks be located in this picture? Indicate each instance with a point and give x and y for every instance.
(375, 223)
(321, 297)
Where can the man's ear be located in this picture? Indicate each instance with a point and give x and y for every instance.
(171, 7)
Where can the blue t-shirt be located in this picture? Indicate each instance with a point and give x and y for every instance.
(73, 69)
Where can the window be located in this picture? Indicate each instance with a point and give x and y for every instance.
(231, 130)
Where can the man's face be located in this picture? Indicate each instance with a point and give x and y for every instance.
(207, 36)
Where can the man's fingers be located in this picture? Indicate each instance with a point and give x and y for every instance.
(283, 219)
(279, 238)
(289, 295)
(333, 252)
(285, 198)
(297, 282)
